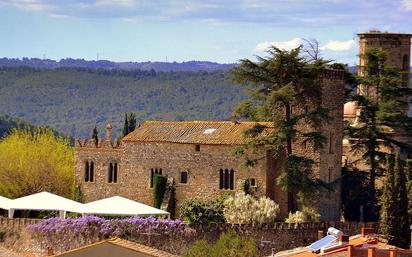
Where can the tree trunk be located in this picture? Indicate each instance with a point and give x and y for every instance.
(292, 203)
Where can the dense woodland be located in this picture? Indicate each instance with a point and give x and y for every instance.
(74, 100)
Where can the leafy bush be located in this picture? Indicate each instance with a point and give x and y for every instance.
(195, 211)
(245, 209)
(306, 215)
(159, 189)
(229, 245)
(33, 160)
(2, 236)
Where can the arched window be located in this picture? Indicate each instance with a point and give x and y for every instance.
(86, 172)
(112, 172)
(226, 179)
(89, 171)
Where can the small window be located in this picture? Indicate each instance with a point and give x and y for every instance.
(183, 177)
(154, 171)
(197, 148)
(89, 171)
(226, 179)
(112, 173)
(306, 109)
(253, 182)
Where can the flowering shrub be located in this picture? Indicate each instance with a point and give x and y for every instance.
(196, 211)
(245, 209)
(306, 215)
(58, 231)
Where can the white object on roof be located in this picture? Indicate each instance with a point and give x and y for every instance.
(322, 243)
(5, 203)
(209, 131)
(45, 201)
(118, 205)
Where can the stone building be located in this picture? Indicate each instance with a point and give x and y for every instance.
(198, 157)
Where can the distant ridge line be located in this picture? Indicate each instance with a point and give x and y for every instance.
(105, 64)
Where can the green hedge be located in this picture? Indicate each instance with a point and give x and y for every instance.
(159, 189)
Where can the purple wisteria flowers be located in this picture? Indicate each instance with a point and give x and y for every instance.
(79, 231)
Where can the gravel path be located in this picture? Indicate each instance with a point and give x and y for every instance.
(6, 253)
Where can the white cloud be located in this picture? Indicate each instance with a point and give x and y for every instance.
(286, 45)
(407, 4)
(336, 45)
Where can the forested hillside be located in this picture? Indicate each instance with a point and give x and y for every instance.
(74, 100)
(8, 123)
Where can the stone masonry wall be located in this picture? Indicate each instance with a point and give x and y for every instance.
(137, 159)
(99, 188)
(328, 160)
(202, 167)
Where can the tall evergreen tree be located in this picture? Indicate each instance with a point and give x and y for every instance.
(132, 122)
(95, 135)
(394, 219)
(125, 126)
(283, 79)
(382, 99)
(402, 235)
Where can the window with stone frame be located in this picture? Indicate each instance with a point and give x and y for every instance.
(226, 179)
(89, 171)
(184, 177)
(112, 172)
(154, 171)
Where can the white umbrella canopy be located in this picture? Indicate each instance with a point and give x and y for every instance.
(118, 205)
(46, 201)
(5, 203)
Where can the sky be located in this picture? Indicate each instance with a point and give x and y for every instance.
(182, 30)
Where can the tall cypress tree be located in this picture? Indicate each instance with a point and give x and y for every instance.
(125, 126)
(402, 231)
(388, 203)
(394, 222)
(95, 136)
(132, 122)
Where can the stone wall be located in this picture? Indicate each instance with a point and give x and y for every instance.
(328, 161)
(137, 159)
(272, 237)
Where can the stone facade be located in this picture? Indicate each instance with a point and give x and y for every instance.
(202, 150)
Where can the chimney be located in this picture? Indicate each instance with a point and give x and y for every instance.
(109, 132)
(367, 231)
(344, 240)
(234, 118)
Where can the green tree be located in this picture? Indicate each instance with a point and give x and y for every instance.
(95, 135)
(394, 223)
(129, 124)
(132, 122)
(230, 244)
(159, 189)
(36, 160)
(382, 112)
(125, 126)
(279, 81)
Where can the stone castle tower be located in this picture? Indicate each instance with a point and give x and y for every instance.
(396, 45)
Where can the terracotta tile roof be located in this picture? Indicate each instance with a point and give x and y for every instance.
(139, 248)
(195, 132)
